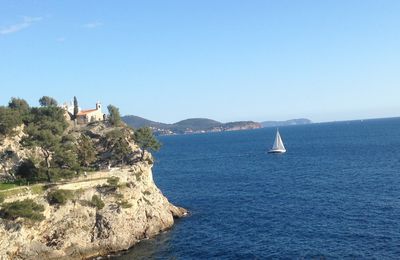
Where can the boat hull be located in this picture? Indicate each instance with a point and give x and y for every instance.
(277, 151)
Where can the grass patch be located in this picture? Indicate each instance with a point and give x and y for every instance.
(6, 186)
(97, 202)
(2, 198)
(38, 189)
(27, 209)
(59, 197)
(9, 193)
(35, 189)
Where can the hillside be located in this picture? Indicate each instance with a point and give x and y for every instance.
(300, 121)
(75, 191)
(192, 125)
(137, 122)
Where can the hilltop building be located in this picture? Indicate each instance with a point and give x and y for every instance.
(91, 115)
(69, 107)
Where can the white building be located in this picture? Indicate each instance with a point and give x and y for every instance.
(87, 116)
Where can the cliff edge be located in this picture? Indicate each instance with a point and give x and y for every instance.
(70, 191)
(134, 209)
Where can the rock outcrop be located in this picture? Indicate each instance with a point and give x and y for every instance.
(134, 209)
(129, 206)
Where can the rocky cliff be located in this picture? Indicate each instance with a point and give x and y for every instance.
(134, 209)
(89, 215)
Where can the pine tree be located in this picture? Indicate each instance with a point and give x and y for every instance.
(145, 139)
(76, 108)
(115, 116)
(47, 101)
(86, 150)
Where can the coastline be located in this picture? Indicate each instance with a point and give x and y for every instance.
(78, 231)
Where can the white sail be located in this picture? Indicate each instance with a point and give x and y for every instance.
(278, 144)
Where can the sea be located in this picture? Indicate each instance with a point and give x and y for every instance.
(335, 194)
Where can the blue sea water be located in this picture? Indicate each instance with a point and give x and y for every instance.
(335, 194)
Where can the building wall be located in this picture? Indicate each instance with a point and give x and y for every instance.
(95, 115)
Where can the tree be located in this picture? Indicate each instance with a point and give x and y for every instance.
(145, 139)
(86, 150)
(18, 103)
(20, 106)
(118, 146)
(9, 119)
(45, 132)
(76, 108)
(27, 170)
(47, 101)
(65, 154)
(114, 115)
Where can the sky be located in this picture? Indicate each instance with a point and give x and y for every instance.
(222, 59)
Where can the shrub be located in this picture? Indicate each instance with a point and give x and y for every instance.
(59, 196)
(124, 204)
(146, 192)
(113, 181)
(119, 196)
(27, 170)
(27, 209)
(1, 198)
(61, 174)
(97, 202)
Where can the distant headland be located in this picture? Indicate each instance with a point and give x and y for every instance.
(204, 125)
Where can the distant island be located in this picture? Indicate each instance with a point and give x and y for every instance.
(300, 121)
(204, 125)
(189, 126)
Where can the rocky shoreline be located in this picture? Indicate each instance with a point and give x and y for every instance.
(133, 210)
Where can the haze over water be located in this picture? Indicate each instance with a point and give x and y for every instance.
(334, 194)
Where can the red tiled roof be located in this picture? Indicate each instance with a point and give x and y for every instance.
(85, 112)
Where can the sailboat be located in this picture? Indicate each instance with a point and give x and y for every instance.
(278, 146)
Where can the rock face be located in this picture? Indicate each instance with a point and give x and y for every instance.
(134, 209)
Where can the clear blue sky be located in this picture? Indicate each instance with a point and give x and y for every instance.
(223, 59)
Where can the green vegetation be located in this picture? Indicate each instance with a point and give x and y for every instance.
(46, 132)
(97, 202)
(59, 196)
(124, 204)
(2, 198)
(118, 145)
(6, 186)
(28, 171)
(27, 209)
(195, 124)
(114, 115)
(9, 120)
(58, 149)
(46, 101)
(18, 104)
(113, 181)
(86, 151)
(76, 108)
(145, 139)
